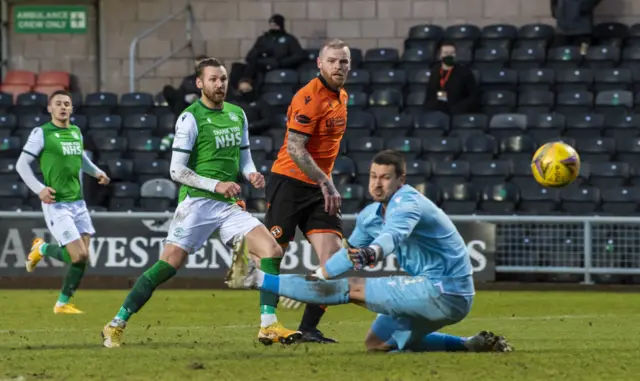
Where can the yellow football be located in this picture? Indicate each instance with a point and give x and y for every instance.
(555, 165)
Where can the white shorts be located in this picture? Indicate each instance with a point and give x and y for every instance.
(68, 220)
(197, 218)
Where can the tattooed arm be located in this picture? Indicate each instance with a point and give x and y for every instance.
(296, 147)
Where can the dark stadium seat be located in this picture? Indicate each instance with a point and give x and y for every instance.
(305, 75)
(459, 198)
(6, 102)
(101, 103)
(535, 199)
(441, 148)
(167, 124)
(538, 79)
(426, 32)
(479, 147)
(417, 80)
(563, 57)
(517, 148)
(143, 148)
(622, 127)
(362, 172)
(503, 125)
(380, 58)
(609, 174)
(612, 79)
(499, 199)
(352, 197)
(280, 80)
(465, 36)
(489, 172)
(358, 100)
(261, 147)
(466, 125)
(431, 125)
(580, 199)
(27, 122)
(13, 193)
(8, 123)
(124, 196)
(601, 57)
(574, 102)
(146, 170)
(500, 35)
(105, 126)
(8, 171)
(365, 148)
(499, 80)
(414, 103)
(418, 171)
(584, 125)
(81, 121)
(387, 100)
(359, 124)
(610, 33)
(595, 149)
(393, 125)
(535, 102)
(536, 32)
(490, 58)
(418, 58)
(614, 102)
(498, 102)
(409, 147)
(120, 170)
(528, 57)
(344, 170)
(31, 103)
(450, 172)
(383, 79)
(10, 147)
(620, 201)
(139, 125)
(135, 103)
(310, 62)
(358, 80)
(264, 167)
(279, 102)
(543, 127)
(574, 79)
(111, 148)
(158, 195)
(15, 90)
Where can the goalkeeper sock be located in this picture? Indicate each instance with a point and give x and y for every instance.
(311, 317)
(56, 252)
(268, 300)
(71, 282)
(142, 290)
(298, 288)
(441, 342)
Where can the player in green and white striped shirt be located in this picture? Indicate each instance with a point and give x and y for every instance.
(58, 147)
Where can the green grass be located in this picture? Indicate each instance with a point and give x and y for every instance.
(210, 335)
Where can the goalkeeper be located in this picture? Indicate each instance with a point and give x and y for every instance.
(438, 291)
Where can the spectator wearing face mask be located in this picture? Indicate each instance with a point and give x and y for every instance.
(275, 49)
(452, 87)
(257, 111)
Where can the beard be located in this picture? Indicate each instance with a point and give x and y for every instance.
(213, 96)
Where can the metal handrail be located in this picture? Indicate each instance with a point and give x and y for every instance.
(134, 45)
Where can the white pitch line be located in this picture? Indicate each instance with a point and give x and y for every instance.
(246, 326)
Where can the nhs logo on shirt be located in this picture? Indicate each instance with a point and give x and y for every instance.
(227, 137)
(71, 148)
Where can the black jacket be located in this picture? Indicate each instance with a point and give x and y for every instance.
(276, 50)
(462, 91)
(574, 17)
(188, 85)
(259, 115)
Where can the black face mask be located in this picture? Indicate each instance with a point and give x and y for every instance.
(449, 60)
(248, 96)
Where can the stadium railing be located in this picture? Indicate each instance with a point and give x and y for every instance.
(583, 245)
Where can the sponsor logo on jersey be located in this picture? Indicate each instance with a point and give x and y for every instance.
(227, 137)
(302, 119)
(71, 148)
(276, 232)
(233, 117)
(75, 135)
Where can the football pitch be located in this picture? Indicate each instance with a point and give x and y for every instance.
(211, 335)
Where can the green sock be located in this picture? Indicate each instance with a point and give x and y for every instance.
(54, 251)
(268, 300)
(142, 290)
(71, 281)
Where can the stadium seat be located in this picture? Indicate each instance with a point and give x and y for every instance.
(580, 200)
(143, 148)
(450, 172)
(504, 125)
(418, 80)
(563, 57)
(352, 197)
(490, 58)
(622, 127)
(490, 172)
(257, 202)
(418, 171)
(111, 148)
(595, 149)
(431, 125)
(479, 147)
(120, 170)
(383, 79)
(414, 103)
(465, 36)
(279, 102)
(535, 199)
(441, 148)
(105, 126)
(167, 124)
(8, 123)
(498, 102)
(611, 174)
(310, 62)
(364, 148)
(26, 123)
(613, 79)
(344, 170)
(543, 127)
(20, 77)
(47, 90)
(358, 80)
(358, 100)
(31, 103)
(574, 102)
(81, 121)
(499, 80)
(146, 170)
(540, 34)
(306, 75)
(574, 79)
(466, 125)
(614, 102)
(389, 125)
(139, 125)
(135, 103)
(499, 199)
(425, 33)
(123, 196)
(359, 124)
(527, 57)
(418, 58)
(536, 79)
(584, 125)
(498, 35)
(459, 199)
(610, 33)
(535, 102)
(601, 57)
(381, 58)
(158, 195)
(12, 193)
(388, 100)
(280, 80)
(6, 102)
(430, 191)
(261, 147)
(409, 147)
(54, 78)
(101, 103)
(620, 201)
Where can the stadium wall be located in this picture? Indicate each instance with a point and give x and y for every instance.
(227, 29)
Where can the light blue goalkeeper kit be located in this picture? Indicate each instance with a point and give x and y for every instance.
(438, 290)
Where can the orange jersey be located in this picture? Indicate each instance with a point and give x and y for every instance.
(320, 113)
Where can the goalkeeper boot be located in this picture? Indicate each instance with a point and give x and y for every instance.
(239, 264)
(67, 308)
(112, 336)
(34, 255)
(277, 333)
(487, 341)
(315, 336)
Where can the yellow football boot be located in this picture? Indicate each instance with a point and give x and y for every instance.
(112, 336)
(69, 309)
(277, 333)
(34, 256)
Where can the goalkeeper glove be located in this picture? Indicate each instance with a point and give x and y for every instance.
(364, 256)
